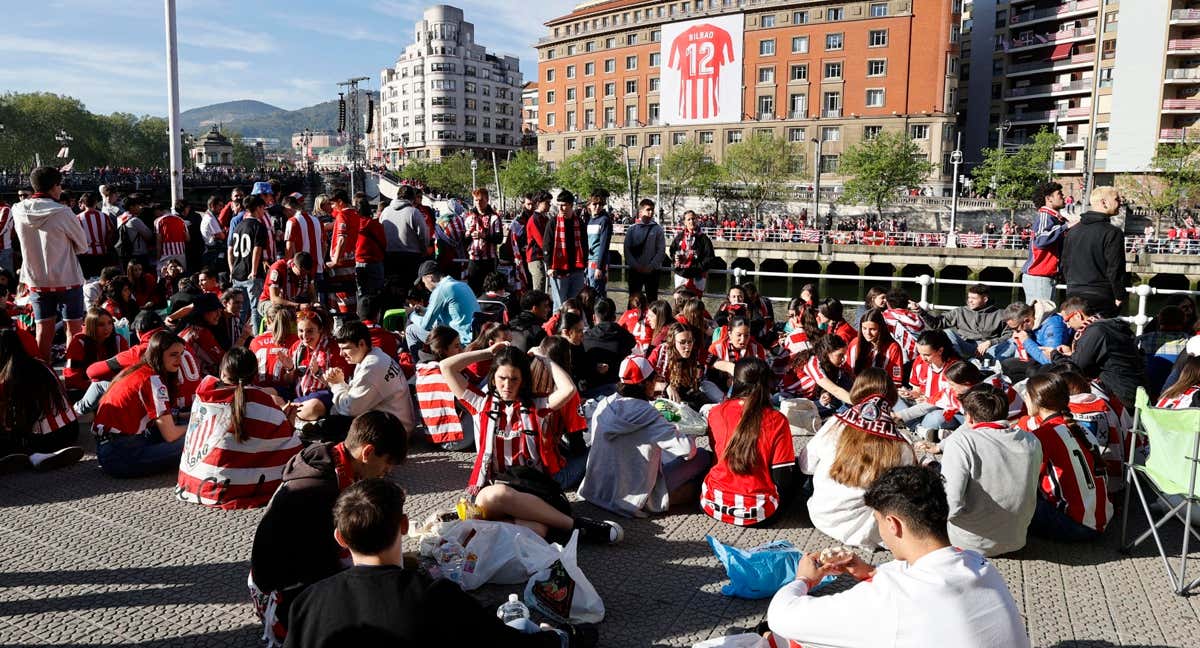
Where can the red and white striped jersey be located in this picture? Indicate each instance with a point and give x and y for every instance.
(311, 365)
(1185, 400)
(803, 380)
(891, 361)
(266, 349)
(52, 421)
(928, 380)
(905, 327)
(132, 403)
(1100, 420)
(436, 403)
(99, 229)
(745, 499)
(951, 404)
(171, 231)
(507, 434)
(304, 233)
(699, 54)
(6, 226)
(634, 321)
(1070, 478)
(795, 342)
(219, 471)
(724, 350)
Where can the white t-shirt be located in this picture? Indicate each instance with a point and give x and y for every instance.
(209, 228)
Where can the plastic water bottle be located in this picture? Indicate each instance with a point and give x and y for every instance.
(513, 609)
(450, 559)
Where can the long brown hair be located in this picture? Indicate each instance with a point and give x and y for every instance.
(152, 357)
(1050, 391)
(239, 366)
(28, 389)
(683, 371)
(862, 358)
(1189, 376)
(752, 383)
(861, 457)
(873, 380)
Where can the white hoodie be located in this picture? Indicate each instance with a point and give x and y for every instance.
(50, 236)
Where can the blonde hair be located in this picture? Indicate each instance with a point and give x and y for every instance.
(861, 457)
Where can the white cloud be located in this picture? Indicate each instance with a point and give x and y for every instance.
(212, 35)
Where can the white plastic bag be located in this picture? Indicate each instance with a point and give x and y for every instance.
(490, 553)
(690, 421)
(561, 591)
(748, 640)
(801, 414)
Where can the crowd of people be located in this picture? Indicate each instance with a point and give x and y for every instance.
(272, 356)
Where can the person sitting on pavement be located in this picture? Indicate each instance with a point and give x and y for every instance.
(991, 474)
(820, 375)
(527, 331)
(99, 341)
(973, 328)
(847, 454)
(272, 347)
(634, 319)
(904, 322)
(446, 421)
(830, 319)
(754, 475)
(451, 303)
(1161, 347)
(1037, 331)
(38, 428)
(289, 282)
(378, 603)
(679, 365)
(960, 377)
(293, 544)
(238, 441)
(1103, 349)
(604, 345)
(735, 345)
(510, 479)
(639, 463)
(919, 410)
(932, 594)
(874, 347)
(1185, 392)
(876, 298)
(200, 327)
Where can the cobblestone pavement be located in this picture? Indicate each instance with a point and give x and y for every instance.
(88, 560)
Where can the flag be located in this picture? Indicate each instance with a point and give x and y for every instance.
(68, 167)
(64, 152)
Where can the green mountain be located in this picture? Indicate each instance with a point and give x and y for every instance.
(271, 123)
(197, 119)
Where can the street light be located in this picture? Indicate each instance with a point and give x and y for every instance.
(658, 183)
(817, 180)
(956, 159)
(474, 166)
(64, 141)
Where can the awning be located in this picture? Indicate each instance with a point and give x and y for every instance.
(1061, 51)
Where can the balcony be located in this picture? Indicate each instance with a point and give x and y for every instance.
(766, 116)
(1063, 11)
(1183, 46)
(1073, 140)
(1080, 113)
(1079, 85)
(1079, 60)
(1179, 135)
(1185, 17)
(1068, 166)
(833, 113)
(1183, 75)
(1181, 105)
(798, 114)
(1041, 40)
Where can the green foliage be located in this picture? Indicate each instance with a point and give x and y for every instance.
(687, 170)
(879, 168)
(760, 167)
(1175, 182)
(523, 174)
(243, 153)
(594, 167)
(1014, 175)
(256, 119)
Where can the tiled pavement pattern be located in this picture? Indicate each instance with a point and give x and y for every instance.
(88, 560)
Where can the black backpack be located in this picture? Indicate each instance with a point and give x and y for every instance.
(125, 239)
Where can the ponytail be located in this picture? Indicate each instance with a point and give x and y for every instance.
(239, 411)
(752, 384)
(238, 367)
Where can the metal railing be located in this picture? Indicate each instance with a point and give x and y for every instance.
(1069, 7)
(1078, 84)
(1185, 14)
(1086, 57)
(1181, 104)
(1183, 45)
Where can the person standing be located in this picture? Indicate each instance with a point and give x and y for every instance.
(247, 257)
(51, 238)
(342, 248)
(599, 240)
(213, 234)
(134, 236)
(645, 249)
(692, 255)
(101, 232)
(407, 241)
(1045, 247)
(1093, 256)
(566, 255)
(484, 232)
(171, 232)
(368, 267)
(6, 228)
(534, 245)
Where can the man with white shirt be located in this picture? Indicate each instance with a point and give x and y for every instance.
(932, 594)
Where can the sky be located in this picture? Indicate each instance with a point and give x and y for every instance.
(288, 53)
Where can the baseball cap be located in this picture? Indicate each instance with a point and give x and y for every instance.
(295, 194)
(261, 188)
(635, 370)
(427, 267)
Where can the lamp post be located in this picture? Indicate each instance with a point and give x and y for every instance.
(658, 183)
(173, 120)
(817, 179)
(956, 159)
(629, 180)
(474, 167)
(63, 139)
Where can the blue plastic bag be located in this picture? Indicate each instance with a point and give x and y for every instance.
(759, 572)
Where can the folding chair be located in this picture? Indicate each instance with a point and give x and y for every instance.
(1169, 472)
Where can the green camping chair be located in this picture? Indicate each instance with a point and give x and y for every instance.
(1168, 475)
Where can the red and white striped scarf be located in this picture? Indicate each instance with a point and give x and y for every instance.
(563, 259)
(1181, 401)
(314, 363)
(509, 427)
(687, 248)
(436, 401)
(1087, 321)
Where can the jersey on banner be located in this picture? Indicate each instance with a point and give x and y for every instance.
(701, 79)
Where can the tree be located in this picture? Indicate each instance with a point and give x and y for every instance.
(1171, 181)
(878, 169)
(1014, 175)
(243, 153)
(760, 166)
(687, 170)
(596, 167)
(524, 173)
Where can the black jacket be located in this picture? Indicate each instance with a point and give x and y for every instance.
(605, 343)
(705, 256)
(527, 331)
(294, 545)
(1107, 351)
(1093, 258)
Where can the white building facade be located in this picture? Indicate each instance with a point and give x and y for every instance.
(447, 94)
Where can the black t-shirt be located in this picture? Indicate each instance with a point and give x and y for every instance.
(388, 606)
(248, 235)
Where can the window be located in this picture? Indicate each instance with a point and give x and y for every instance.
(570, 94)
(799, 17)
(571, 144)
(589, 46)
(876, 67)
(610, 65)
(678, 138)
(835, 13)
(631, 39)
(610, 117)
(570, 71)
(655, 59)
(589, 141)
(877, 38)
(879, 10)
(799, 44)
(799, 72)
(549, 145)
(631, 140)
(655, 36)
(631, 86)
(768, 21)
(875, 98)
(766, 75)
(829, 164)
(653, 84)
(832, 104)
(766, 47)
(798, 106)
(570, 50)
(833, 70)
(549, 96)
(833, 41)
(831, 133)
(610, 43)
(796, 134)
(918, 131)
(871, 132)
(549, 119)
(550, 74)
(706, 137)
(766, 107)
(654, 139)
(733, 137)
(589, 69)
(610, 89)
(630, 62)
(631, 113)
(589, 92)
(589, 118)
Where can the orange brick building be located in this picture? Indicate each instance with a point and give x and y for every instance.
(822, 70)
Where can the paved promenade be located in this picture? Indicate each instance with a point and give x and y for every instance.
(88, 561)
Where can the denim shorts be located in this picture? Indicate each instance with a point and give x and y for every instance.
(65, 303)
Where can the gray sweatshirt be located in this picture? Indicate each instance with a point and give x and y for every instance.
(645, 246)
(405, 228)
(991, 485)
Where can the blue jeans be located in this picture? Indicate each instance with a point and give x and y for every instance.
(566, 287)
(1037, 288)
(6, 259)
(965, 348)
(571, 474)
(252, 288)
(91, 398)
(599, 285)
(138, 455)
(1050, 523)
(415, 335)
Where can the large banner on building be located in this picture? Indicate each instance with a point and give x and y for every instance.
(701, 71)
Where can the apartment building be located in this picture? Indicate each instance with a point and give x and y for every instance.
(446, 93)
(1114, 78)
(647, 75)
